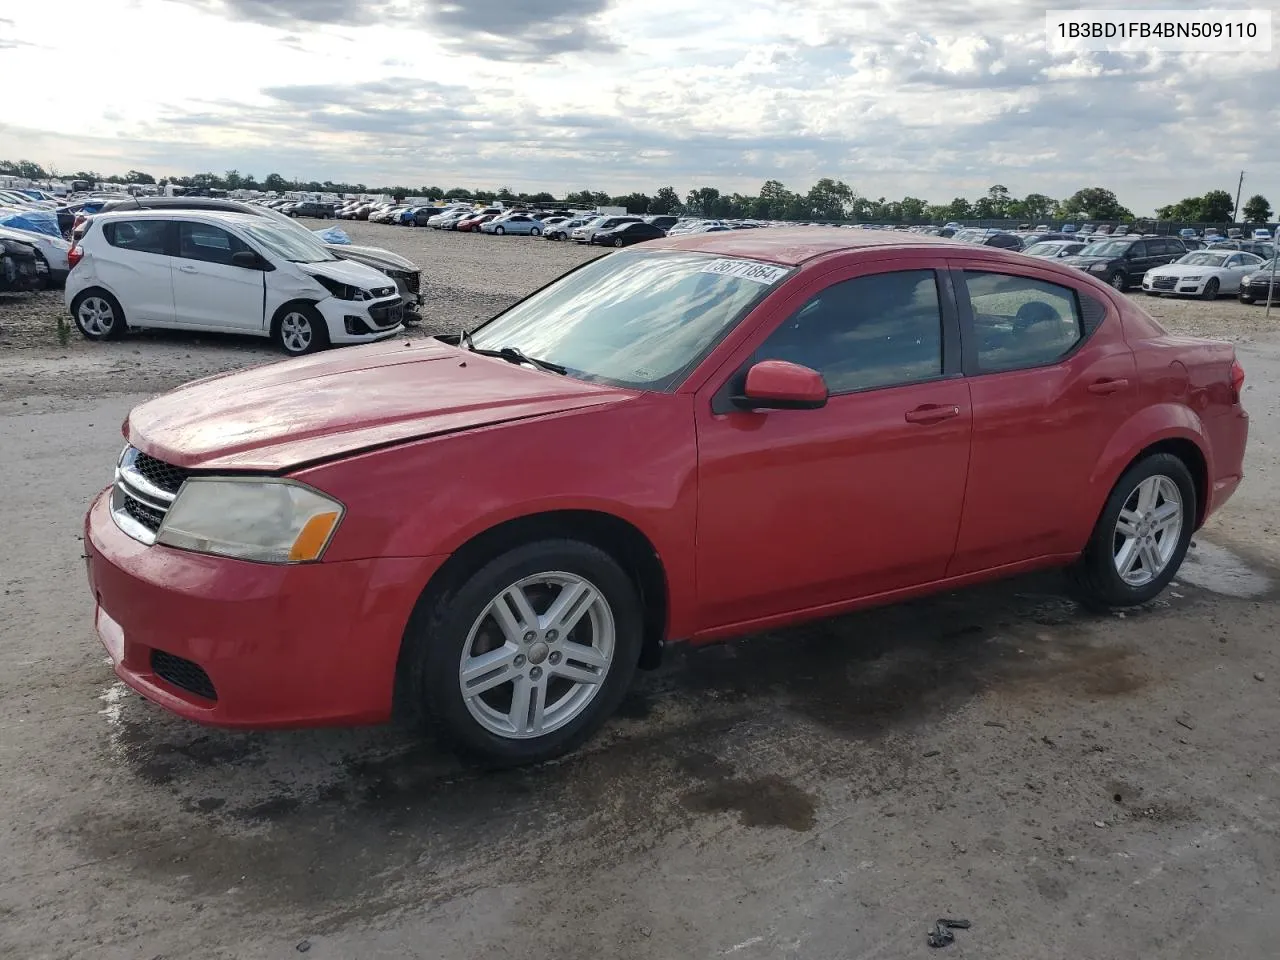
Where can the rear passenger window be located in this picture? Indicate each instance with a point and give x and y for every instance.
(200, 241)
(145, 236)
(873, 331)
(1020, 322)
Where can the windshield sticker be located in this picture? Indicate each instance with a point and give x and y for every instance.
(767, 273)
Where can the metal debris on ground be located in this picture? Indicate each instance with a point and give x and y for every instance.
(1184, 721)
(941, 933)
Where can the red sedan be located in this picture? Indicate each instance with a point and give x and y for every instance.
(472, 224)
(705, 436)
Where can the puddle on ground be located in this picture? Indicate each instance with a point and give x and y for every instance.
(1218, 570)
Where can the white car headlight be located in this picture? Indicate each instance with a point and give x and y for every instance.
(1246, 279)
(267, 520)
(1192, 279)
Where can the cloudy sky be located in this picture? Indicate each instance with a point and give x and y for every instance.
(933, 98)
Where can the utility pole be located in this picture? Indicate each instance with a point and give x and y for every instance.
(1237, 206)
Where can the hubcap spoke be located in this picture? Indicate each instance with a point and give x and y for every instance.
(1127, 557)
(489, 670)
(1147, 494)
(1127, 525)
(574, 601)
(1151, 561)
(581, 653)
(571, 671)
(1164, 515)
(514, 615)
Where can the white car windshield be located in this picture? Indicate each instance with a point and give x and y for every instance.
(1044, 249)
(1201, 259)
(295, 247)
(634, 319)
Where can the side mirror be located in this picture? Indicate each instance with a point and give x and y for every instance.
(248, 259)
(780, 385)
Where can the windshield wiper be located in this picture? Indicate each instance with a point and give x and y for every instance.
(512, 355)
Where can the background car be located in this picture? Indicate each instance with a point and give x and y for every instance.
(1257, 286)
(1054, 249)
(224, 272)
(404, 272)
(626, 234)
(52, 250)
(20, 266)
(516, 223)
(1202, 273)
(312, 208)
(563, 229)
(1123, 262)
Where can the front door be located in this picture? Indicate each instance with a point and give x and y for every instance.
(798, 509)
(209, 291)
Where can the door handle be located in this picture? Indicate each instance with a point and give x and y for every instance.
(1108, 386)
(187, 268)
(931, 413)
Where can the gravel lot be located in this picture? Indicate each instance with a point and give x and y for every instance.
(1075, 785)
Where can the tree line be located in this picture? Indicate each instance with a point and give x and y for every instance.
(828, 199)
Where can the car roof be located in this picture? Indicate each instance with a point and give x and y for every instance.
(792, 246)
(228, 216)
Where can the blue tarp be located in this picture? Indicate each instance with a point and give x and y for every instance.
(333, 235)
(36, 221)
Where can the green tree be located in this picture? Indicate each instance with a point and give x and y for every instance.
(666, 201)
(275, 182)
(582, 199)
(1188, 208)
(1257, 209)
(701, 201)
(633, 202)
(1034, 206)
(542, 199)
(829, 199)
(137, 176)
(233, 180)
(1216, 206)
(456, 193)
(913, 209)
(1094, 203)
(999, 201)
(773, 202)
(505, 195)
(30, 169)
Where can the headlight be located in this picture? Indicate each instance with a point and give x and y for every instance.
(1192, 279)
(268, 520)
(1098, 268)
(342, 291)
(1247, 279)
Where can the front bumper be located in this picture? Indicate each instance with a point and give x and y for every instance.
(1173, 285)
(362, 321)
(279, 646)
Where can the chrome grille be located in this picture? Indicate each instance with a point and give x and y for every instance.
(1163, 283)
(144, 490)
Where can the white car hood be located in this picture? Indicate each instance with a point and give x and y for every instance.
(347, 271)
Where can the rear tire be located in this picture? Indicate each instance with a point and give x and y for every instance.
(535, 232)
(98, 315)
(300, 329)
(1128, 559)
(458, 625)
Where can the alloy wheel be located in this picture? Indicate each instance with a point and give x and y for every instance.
(1147, 530)
(96, 316)
(537, 655)
(295, 332)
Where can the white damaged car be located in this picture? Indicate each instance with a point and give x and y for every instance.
(1201, 273)
(225, 273)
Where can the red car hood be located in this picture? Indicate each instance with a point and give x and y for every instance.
(286, 414)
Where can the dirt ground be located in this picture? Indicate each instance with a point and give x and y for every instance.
(1074, 785)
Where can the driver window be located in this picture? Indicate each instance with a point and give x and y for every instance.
(1020, 322)
(873, 331)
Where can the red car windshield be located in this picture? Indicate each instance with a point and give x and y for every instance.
(634, 319)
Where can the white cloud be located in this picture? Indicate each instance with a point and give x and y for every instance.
(931, 99)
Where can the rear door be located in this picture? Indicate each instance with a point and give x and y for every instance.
(209, 291)
(1051, 378)
(137, 266)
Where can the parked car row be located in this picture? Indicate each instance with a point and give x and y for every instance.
(33, 254)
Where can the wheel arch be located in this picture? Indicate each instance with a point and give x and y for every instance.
(1163, 428)
(620, 538)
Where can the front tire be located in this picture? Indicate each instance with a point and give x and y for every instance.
(526, 659)
(499, 231)
(1141, 537)
(300, 329)
(1210, 291)
(1118, 280)
(618, 242)
(98, 315)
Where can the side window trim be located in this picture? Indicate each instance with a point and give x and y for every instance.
(972, 368)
